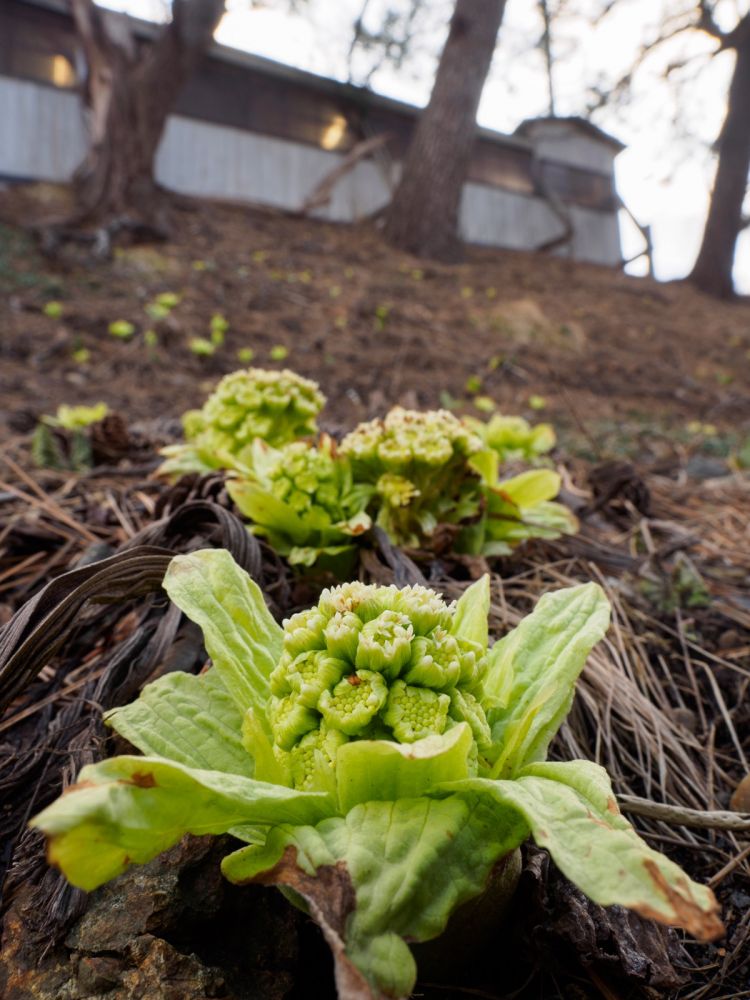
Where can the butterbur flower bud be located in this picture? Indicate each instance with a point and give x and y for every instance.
(290, 720)
(415, 712)
(342, 634)
(372, 663)
(385, 644)
(311, 673)
(304, 631)
(354, 702)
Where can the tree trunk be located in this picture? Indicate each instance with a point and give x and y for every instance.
(423, 215)
(712, 272)
(129, 93)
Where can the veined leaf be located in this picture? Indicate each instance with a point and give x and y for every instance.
(241, 636)
(384, 872)
(532, 487)
(572, 812)
(533, 670)
(376, 770)
(188, 719)
(470, 619)
(126, 810)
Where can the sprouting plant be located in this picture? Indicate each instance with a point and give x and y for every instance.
(514, 438)
(81, 355)
(378, 758)
(382, 313)
(473, 384)
(515, 510)
(52, 309)
(71, 449)
(251, 403)
(219, 327)
(245, 355)
(202, 347)
(537, 402)
(73, 418)
(486, 404)
(121, 328)
(303, 499)
(418, 464)
(150, 338)
(278, 353)
(168, 300)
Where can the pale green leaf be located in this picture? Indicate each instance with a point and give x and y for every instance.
(188, 719)
(572, 812)
(409, 862)
(126, 810)
(267, 510)
(240, 634)
(532, 487)
(472, 609)
(368, 770)
(533, 670)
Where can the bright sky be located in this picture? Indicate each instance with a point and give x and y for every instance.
(663, 176)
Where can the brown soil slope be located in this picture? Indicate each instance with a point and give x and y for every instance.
(606, 351)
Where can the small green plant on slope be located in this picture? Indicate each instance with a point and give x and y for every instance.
(276, 407)
(418, 465)
(61, 442)
(429, 469)
(303, 499)
(376, 751)
(514, 438)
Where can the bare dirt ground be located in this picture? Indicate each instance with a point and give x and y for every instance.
(616, 359)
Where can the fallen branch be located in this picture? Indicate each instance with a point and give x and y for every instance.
(321, 193)
(680, 816)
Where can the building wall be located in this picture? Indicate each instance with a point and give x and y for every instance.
(42, 137)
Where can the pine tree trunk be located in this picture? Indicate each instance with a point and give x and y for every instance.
(423, 215)
(129, 93)
(712, 272)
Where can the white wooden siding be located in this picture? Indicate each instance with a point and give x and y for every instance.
(42, 137)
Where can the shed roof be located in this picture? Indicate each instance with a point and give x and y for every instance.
(580, 124)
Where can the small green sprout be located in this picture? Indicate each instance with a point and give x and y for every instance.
(52, 309)
(260, 256)
(514, 438)
(537, 402)
(376, 749)
(150, 338)
(202, 347)
(278, 353)
(81, 355)
(334, 291)
(219, 327)
(121, 328)
(473, 384)
(169, 300)
(245, 355)
(485, 403)
(467, 292)
(73, 418)
(156, 311)
(199, 265)
(491, 293)
(382, 312)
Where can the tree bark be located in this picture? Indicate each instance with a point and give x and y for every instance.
(712, 272)
(129, 93)
(423, 215)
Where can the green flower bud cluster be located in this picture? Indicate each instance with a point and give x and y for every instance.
(406, 439)
(514, 438)
(418, 463)
(307, 478)
(371, 662)
(277, 407)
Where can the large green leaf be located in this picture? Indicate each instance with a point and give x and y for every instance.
(572, 812)
(530, 488)
(368, 770)
(188, 719)
(241, 636)
(385, 872)
(267, 510)
(533, 670)
(126, 810)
